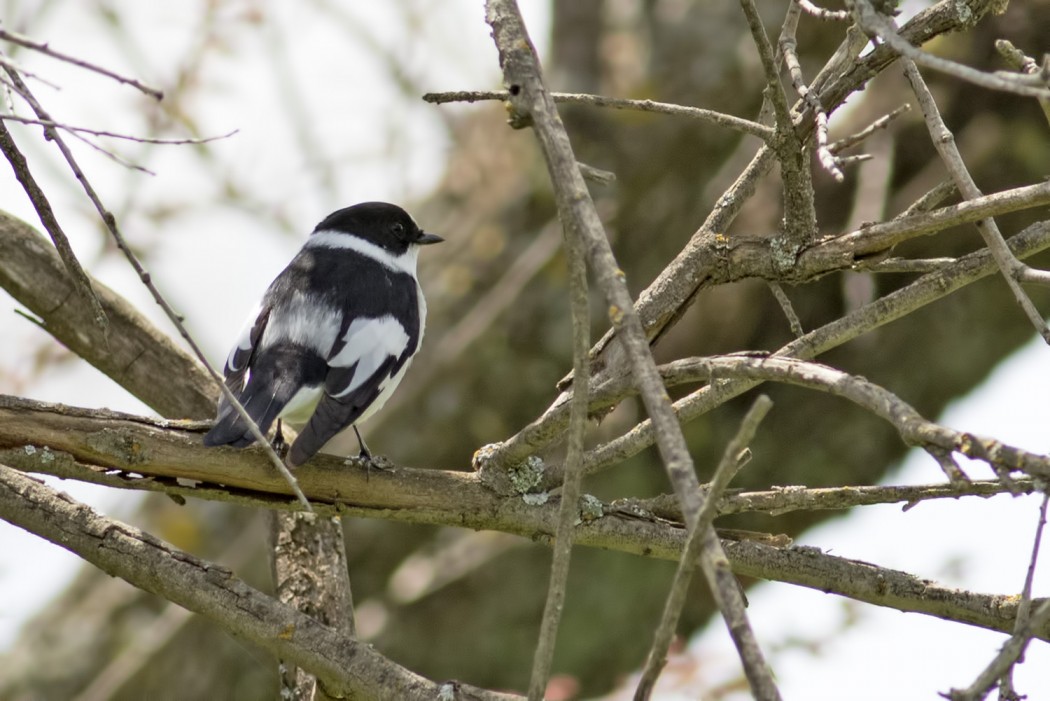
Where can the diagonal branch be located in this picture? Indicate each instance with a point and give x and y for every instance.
(946, 278)
(532, 104)
(570, 493)
(1001, 666)
(47, 217)
(110, 223)
(44, 48)
(878, 25)
(735, 456)
(133, 354)
(944, 142)
(928, 288)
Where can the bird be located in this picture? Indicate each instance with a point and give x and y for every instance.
(333, 335)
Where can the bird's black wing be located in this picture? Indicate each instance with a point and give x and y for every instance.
(368, 355)
(229, 426)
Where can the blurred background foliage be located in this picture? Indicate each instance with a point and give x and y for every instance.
(454, 604)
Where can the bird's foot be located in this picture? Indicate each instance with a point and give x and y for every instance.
(370, 462)
(278, 443)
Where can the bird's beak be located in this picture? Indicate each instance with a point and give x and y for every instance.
(426, 239)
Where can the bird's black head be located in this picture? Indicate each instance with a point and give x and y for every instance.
(384, 224)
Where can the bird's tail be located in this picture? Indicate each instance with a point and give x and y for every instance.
(275, 378)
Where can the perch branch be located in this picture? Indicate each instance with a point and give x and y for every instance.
(130, 452)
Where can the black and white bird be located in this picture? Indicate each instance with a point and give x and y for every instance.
(334, 333)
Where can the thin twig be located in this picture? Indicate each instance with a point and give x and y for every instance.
(570, 493)
(45, 49)
(8, 62)
(880, 123)
(47, 217)
(826, 157)
(800, 215)
(1018, 60)
(1014, 647)
(733, 458)
(822, 13)
(1024, 610)
(787, 308)
(876, 24)
(111, 224)
(944, 142)
(117, 135)
(726, 120)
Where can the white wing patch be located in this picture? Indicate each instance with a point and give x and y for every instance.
(302, 320)
(244, 340)
(369, 343)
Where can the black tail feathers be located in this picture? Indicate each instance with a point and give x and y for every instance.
(277, 376)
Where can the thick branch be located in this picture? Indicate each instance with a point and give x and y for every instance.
(122, 451)
(344, 665)
(133, 354)
(665, 300)
(930, 287)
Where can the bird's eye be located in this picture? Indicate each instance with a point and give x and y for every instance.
(398, 230)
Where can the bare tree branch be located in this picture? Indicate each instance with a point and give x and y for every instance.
(47, 218)
(342, 664)
(726, 120)
(44, 48)
(933, 286)
(944, 142)
(878, 25)
(735, 456)
(893, 306)
(532, 104)
(133, 354)
(570, 493)
(119, 450)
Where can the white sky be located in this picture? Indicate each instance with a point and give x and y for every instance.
(395, 152)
